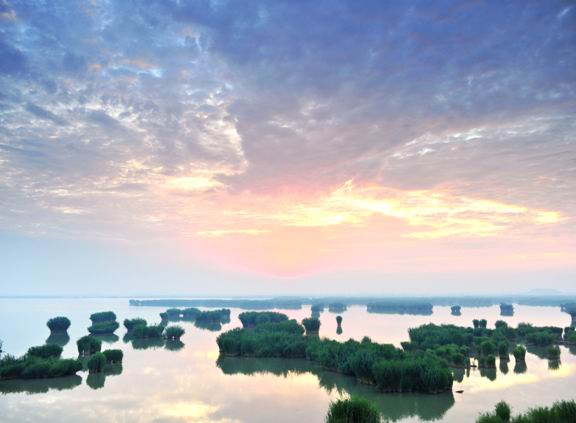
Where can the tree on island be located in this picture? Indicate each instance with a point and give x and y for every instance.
(456, 310)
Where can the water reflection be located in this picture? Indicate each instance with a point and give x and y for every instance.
(393, 406)
(174, 345)
(520, 367)
(58, 338)
(98, 380)
(39, 386)
(108, 338)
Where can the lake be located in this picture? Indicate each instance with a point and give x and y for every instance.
(190, 384)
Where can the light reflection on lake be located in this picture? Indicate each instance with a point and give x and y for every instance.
(175, 383)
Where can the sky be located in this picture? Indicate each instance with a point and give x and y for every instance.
(215, 147)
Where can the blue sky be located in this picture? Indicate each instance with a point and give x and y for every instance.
(276, 146)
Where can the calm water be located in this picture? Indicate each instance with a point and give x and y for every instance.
(190, 384)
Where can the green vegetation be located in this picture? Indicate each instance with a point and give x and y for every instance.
(103, 323)
(385, 366)
(130, 324)
(58, 324)
(88, 345)
(339, 320)
(38, 363)
(103, 328)
(391, 307)
(250, 319)
(519, 353)
(456, 310)
(312, 325)
(97, 363)
(45, 351)
(105, 316)
(353, 410)
(216, 316)
(503, 352)
(480, 324)
(174, 333)
(560, 412)
(147, 332)
(553, 352)
(113, 356)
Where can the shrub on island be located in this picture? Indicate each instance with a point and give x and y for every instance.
(97, 363)
(214, 316)
(104, 316)
(427, 373)
(58, 324)
(312, 325)
(88, 345)
(519, 353)
(339, 320)
(130, 324)
(250, 319)
(559, 412)
(38, 363)
(352, 410)
(173, 333)
(103, 328)
(553, 352)
(45, 351)
(113, 356)
(103, 323)
(148, 332)
(503, 350)
(456, 310)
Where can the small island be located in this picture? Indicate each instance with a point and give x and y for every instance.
(103, 323)
(40, 362)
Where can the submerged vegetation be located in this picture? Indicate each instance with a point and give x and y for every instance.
(559, 412)
(352, 410)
